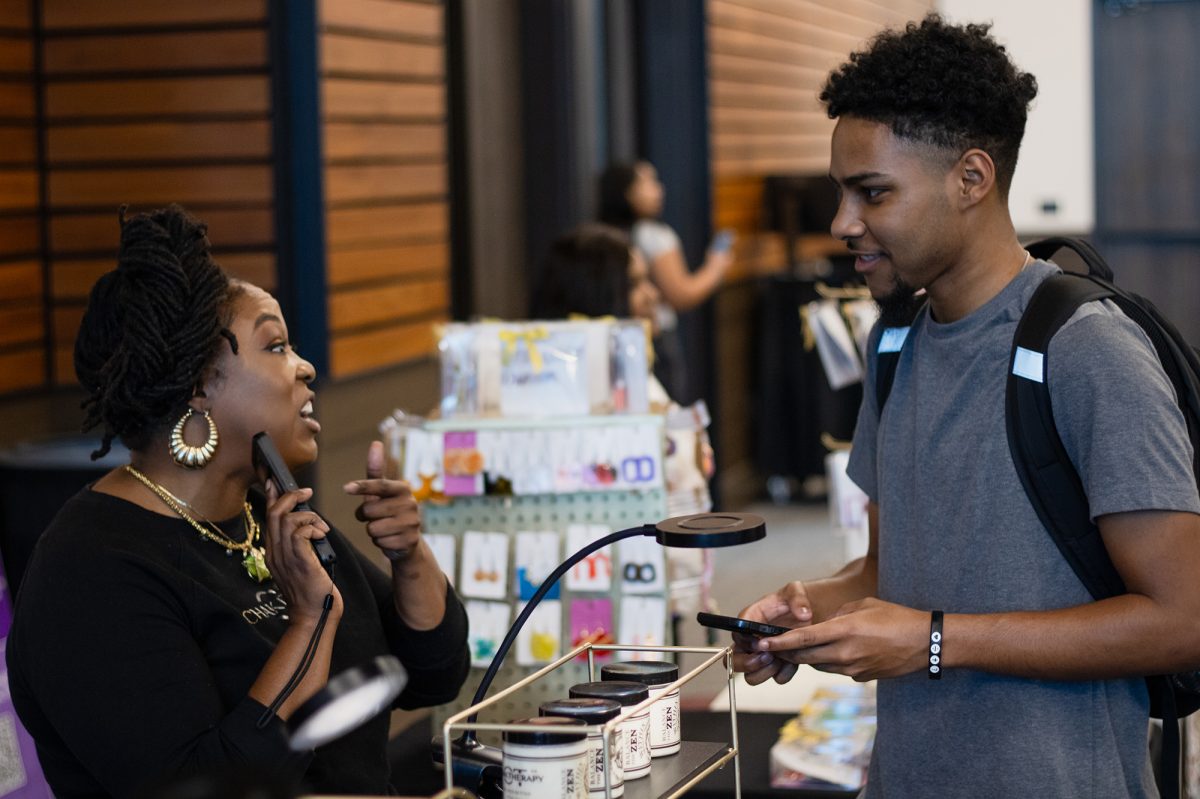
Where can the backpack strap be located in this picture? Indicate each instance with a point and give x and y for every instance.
(1168, 765)
(1045, 249)
(1179, 359)
(1042, 464)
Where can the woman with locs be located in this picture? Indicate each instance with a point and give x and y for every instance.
(168, 604)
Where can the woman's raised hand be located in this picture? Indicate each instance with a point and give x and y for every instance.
(388, 508)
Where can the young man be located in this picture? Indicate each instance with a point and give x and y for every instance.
(1039, 689)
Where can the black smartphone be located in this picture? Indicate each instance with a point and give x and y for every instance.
(736, 625)
(268, 457)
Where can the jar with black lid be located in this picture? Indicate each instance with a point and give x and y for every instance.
(634, 728)
(546, 765)
(595, 712)
(656, 675)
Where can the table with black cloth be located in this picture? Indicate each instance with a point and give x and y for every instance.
(413, 772)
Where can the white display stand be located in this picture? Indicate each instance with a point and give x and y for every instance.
(614, 509)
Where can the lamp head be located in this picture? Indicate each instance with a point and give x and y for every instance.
(346, 701)
(708, 530)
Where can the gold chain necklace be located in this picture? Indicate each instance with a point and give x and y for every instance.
(255, 556)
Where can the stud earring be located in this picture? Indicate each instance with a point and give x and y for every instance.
(184, 453)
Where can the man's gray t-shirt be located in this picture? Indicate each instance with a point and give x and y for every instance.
(957, 533)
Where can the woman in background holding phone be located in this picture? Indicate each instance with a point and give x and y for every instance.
(166, 606)
(631, 198)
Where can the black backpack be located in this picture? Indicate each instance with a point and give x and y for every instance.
(1050, 481)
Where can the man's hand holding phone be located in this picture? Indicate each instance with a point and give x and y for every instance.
(788, 607)
(733, 624)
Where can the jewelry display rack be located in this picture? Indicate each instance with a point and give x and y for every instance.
(616, 509)
(670, 776)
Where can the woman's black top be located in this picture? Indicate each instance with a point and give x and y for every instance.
(134, 643)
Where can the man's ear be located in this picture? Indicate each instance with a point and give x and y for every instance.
(975, 177)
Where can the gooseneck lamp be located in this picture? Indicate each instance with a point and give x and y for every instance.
(479, 763)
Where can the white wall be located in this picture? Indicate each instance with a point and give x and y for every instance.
(1053, 40)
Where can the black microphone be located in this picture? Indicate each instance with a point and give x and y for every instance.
(267, 456)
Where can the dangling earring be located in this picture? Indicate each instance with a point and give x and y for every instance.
(184, 453)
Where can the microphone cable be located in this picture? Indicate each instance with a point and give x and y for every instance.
(306, 660)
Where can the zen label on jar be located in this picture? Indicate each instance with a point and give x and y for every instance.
(530, 772)
(616, 769)
(637, 745)
(664, 722)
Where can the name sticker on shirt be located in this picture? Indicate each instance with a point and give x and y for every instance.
(892, 339)
(1029, 365)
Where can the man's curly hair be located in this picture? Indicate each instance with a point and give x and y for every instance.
(953, 87)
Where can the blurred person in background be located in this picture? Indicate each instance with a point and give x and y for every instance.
(631, 198)
(593, 271)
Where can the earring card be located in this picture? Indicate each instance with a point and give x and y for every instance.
(592, 621)
(540, 640)
(593, 573)
(537, 553)
(488, 623)
(641, 566)
(484, 565)
(643, 622)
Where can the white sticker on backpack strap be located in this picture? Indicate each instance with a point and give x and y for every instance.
(892, 339)
(1029, 365)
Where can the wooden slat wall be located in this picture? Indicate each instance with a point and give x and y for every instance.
(383, 96)
(767, 62)
(150, 102)
(22, 313)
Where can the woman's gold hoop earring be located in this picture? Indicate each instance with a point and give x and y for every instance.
(185, 454)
